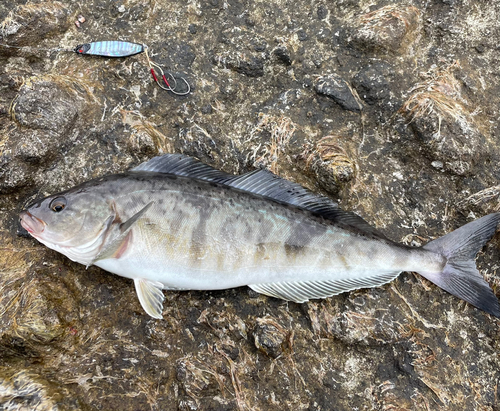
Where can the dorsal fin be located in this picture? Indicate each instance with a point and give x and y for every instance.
(182, 165)
(260, 182)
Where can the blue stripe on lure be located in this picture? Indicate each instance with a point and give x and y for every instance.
(110, 48)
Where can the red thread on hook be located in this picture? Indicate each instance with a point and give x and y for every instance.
(165, 80)
(154, 74)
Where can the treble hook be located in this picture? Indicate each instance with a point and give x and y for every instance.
(152, 65)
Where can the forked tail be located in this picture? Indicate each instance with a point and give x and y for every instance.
(460, 276)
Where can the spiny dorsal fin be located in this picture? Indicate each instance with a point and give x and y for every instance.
(302, 291)
(260, 182)
(182, 165)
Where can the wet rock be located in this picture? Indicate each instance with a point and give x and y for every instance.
(458, 145)
(27, 24)
(223, 324)
(275, 134)
(302, 35)
(338, 90)
(372, 84)
(50, 103)
(322, 12)
(389, 29)
(196, 377)
(357, 322)
(174, 55)
(243, 52)
(439, 115)
(330, 164)
(201, 143)
(25, 391)
(203, 378)
(36, 318)
(483, 202)
(283, 55)
(270, 337)
(82, 333)
(46, 110)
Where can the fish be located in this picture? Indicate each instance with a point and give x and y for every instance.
(175, 223)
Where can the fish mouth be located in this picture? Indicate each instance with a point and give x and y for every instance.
(31, 224)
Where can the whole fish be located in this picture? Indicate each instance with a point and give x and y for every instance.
(175, 223)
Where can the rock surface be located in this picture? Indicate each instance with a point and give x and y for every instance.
(409, 140)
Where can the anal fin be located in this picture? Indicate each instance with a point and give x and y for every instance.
(302, 291)
(150, 296)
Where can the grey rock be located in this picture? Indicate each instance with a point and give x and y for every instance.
(338, 90)
(47, 105)
(243, 52)
(390, 28)
(283, 55)
(27, 25)
(372, 84)
(270, 337)
(439, 115)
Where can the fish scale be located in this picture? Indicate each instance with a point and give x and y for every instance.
(175, 223)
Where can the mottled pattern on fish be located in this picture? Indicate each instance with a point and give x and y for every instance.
(178, 224)
(200, 232)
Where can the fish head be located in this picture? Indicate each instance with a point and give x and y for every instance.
(73, 223)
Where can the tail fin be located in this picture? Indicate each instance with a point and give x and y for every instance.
(460, 276)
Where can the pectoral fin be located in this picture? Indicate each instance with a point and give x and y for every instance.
(116, 246)
(151, 296)
(127, 224)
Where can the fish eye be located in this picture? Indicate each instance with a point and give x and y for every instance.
(58, 204)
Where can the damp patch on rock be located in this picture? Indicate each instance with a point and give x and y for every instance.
(242, 52)
(336, 88)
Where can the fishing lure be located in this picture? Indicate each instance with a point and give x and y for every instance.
(110, 48)
(126, 49)
(120, 49)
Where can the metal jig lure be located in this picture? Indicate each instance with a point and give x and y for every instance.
(126, 49)
(110, 48)
(118, 49)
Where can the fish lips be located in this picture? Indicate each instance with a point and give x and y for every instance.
(31, 223)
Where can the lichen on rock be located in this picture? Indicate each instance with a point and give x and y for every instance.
(388, 29)
(440, 116)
